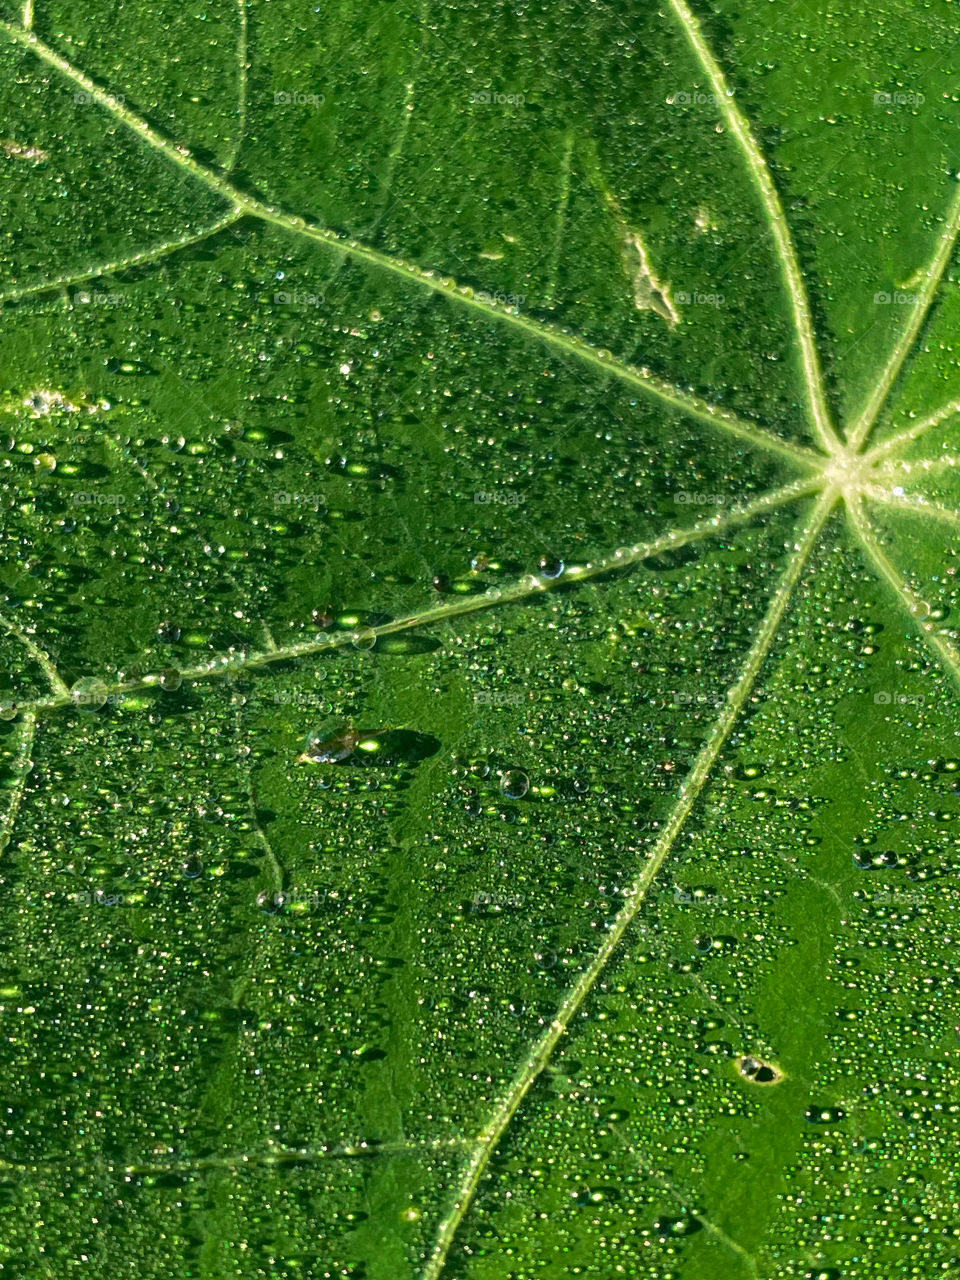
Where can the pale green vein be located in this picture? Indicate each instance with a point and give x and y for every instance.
(27, 731)
(357, 1151)
(945, 652)
(915, 505)
(246, 1159)
(231, 664)
(556, 338)
(690, 790)
(565, 183)
(273, 862)
(932, 277)
(241, 83)
(669, 1189)
(17, 292)
(760, 173)
(395, 153)
(924, 466)
(40, 656)
(933, 420)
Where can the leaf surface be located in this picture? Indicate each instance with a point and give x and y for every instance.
(479, 738)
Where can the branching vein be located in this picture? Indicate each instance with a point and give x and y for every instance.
(16, 293)
(228, 664)
(916, 316)
(27, 731)
(895, 443)
(241, 83)
(848, 472)
(689, 793)
(40, 656)
(786, 252)
(943, 649)
(556, 338)
(913, 504)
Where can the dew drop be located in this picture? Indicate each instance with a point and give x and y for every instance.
(824, 1115)
(674, 1227)
(514, 784)
(89, 694)
(550, 566)
(330, 749)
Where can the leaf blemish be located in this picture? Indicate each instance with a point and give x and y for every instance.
(757, 1071)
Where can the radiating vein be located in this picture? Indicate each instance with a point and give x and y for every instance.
(690, 790)
(918, 429)
(916, 316)
(230, 664)
(26, 731)
(242, 1160)
(945, 652)
(40, 656)
(554, 337)
(241, 83)
(760, 173)
(925, 466)
(916, 505)
(17, 292)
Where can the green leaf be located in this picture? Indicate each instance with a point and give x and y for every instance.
(479, 675)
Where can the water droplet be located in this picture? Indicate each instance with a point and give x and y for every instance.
(550, 567)
(514, 784)
(673, 1227)
(330, 749)
(89, 694)
(170, 679)
(824, 1115)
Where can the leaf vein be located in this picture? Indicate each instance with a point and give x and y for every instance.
(760, 173)
(552, 335)
(688, 795)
